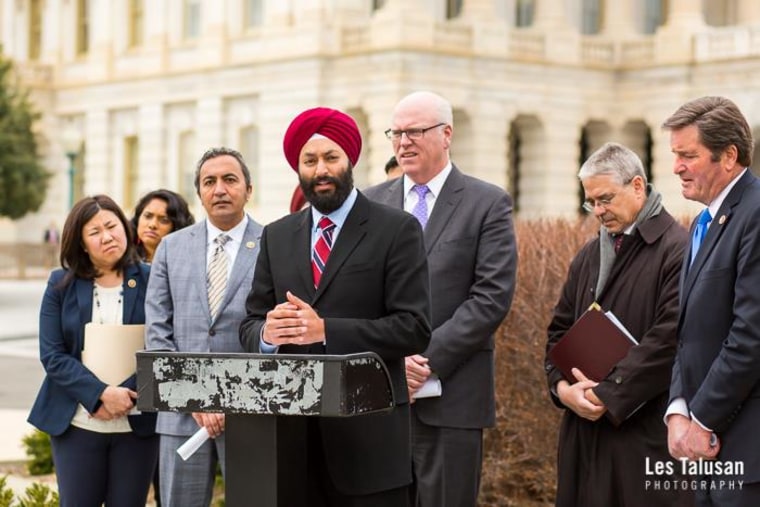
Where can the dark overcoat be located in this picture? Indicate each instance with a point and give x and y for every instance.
(604, 463)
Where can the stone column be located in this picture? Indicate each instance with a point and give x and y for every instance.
(156, 42)
(748, 12)
(98, 170)
(214, 37)
(549, 153)
(310, 12)
(550, 14)
(561, 38)
(618, 20)
(378, 109)
(685, 13)
(350, 10)
(485, 142)
(101, 39)
(210, 122)
(489, 28)
(152, 164)
(479, 9)
(674, 40)
(277, 12)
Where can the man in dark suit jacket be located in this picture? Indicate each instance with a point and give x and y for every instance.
(472, 258)
(714, 406)
(357, 284)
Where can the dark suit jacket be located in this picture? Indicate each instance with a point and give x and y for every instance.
(717, 368)
(472, 258)
(373, 296)
(63, 314)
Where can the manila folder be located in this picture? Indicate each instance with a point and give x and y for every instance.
(594, 345)
(109, 350)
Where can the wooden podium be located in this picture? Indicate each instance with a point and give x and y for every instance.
(267, 399)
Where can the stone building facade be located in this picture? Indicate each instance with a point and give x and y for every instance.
(140, 88)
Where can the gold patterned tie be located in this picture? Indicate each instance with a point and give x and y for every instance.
(216, 276)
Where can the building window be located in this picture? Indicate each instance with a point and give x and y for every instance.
(591, 17)
(35, 29)
(515, 165)
(654, 15)
(524, 11)
(83, 27)
(249, 148)
(186, 165)
(254, 13)
(191, 19)
(136, 17)
(131, 169)
(453, 8)
(377, 5)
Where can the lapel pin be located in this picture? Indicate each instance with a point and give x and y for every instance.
(722, 219)
(250, 244)
(131, 283)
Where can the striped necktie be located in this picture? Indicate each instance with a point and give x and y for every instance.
(216, 275)
(322, 249)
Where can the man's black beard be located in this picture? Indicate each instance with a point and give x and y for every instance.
(327, 202)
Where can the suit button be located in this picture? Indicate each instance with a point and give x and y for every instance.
(618, 380)
(211, 332)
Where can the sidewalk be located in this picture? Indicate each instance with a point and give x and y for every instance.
(19, 315)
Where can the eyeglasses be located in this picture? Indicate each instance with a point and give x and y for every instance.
(605, 201)
(590, 205)
(413, 134)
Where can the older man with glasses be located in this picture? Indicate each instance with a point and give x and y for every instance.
(472, 258)
(612, 433)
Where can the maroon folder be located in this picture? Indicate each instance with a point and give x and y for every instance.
(594, 345)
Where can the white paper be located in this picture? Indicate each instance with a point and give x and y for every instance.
(192, 444)
(430, 389)
(109, 350)
(620, 326)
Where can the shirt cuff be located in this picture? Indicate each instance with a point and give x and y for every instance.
(677, 406)
(264, 347)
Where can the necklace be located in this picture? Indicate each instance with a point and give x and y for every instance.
(108, 310)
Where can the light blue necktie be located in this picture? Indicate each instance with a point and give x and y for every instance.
(700, 230)
(420, 210)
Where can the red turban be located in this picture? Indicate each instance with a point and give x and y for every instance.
(334, 125)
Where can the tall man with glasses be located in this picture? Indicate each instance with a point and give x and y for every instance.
(472, 259)
(612, 430)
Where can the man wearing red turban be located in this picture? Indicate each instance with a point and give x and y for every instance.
(345, 275)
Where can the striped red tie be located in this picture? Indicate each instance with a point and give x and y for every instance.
(322, 249)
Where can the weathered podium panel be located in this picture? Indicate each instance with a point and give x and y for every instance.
(265, 398)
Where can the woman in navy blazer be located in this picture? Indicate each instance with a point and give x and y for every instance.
(101, 453)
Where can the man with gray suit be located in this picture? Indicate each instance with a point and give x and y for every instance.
(199, 280)
(472, 260)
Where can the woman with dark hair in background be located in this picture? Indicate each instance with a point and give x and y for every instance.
(157, 214)
(101, 453)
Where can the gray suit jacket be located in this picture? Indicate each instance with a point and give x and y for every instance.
(176, 305)
(472, 260)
